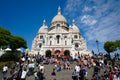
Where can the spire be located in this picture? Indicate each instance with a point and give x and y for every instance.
(73, 22)
(59, 10)
(44, 22)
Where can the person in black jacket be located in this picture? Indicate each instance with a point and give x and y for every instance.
(40, 75)
(53, 72)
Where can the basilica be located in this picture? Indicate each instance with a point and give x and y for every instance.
(59, 39)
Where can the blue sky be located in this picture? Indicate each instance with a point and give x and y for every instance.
(96, 19)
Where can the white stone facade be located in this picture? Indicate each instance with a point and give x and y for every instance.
(60, 39)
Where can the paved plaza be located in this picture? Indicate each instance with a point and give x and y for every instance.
(62, 75)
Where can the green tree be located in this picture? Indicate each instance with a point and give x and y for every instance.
(4, 31)
(111, 46)
(17, 42)
(117, 44)
(6, 38)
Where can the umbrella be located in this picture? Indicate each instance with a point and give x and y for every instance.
(7, 49)
(18, 49)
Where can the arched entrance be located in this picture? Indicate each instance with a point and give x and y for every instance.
(48, 53)
(57, 53)
(67, 53)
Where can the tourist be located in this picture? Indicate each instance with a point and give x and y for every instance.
(106, 75)
(77, 68)
(4, 72)
(24, 73)
(81, 75)
(96, 69)
(111, 76)
(23, 59)
(29, 59)
(31, 67)
(75, 75)
(18, 74)
(84, 71)
(53, 72)
(40, 75)
(35, 75)
(42, 68)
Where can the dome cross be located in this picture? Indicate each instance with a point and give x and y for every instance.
(59, 10)
(44, 22)
(73, 22)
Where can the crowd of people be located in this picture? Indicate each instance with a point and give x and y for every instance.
(110, 70)
(34, 66)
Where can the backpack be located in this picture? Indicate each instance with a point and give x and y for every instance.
(74, 74)
(83, 71)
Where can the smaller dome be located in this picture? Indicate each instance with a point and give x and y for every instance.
(74, 27)
(43, 28)
(59, 17)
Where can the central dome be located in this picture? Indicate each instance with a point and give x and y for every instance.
(59, 17)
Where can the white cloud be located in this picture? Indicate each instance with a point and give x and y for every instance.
(86, 9)
(100, 19)
(71, 7)
(108, 23)
(88, 20)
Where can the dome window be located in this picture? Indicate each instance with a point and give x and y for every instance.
(65, 36)
(50, 43)
(58, 25)
(76, 45)
(50, 36)
(40, 45)
(41, 37)
(75, 36)
(65, 42)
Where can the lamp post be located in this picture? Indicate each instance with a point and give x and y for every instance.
(97, 42)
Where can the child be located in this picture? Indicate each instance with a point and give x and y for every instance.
(53, 72)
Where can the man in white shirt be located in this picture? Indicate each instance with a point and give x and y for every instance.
(77, 68)
(31, 67)
(41, 67)
(23, 59)
(23, 75)
(4, 72)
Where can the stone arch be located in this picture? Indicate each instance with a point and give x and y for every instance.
(48, 53)
(57, 52)
(67, 53)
